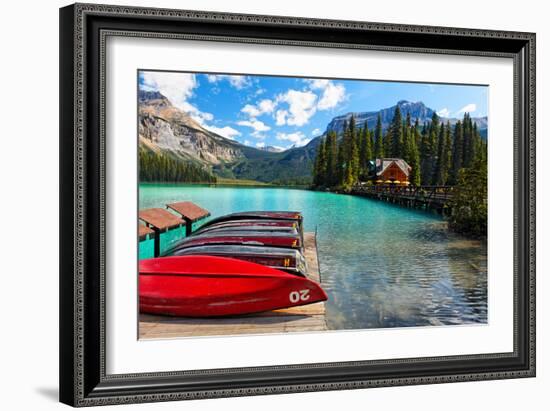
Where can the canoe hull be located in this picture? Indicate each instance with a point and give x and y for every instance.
(285, 259)
(205, 286)
(250, 238)
(293, 216)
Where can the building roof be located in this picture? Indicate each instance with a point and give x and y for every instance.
(383, 163)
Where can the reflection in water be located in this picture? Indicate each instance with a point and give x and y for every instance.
(381, 265)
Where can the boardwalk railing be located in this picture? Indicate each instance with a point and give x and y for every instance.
(434, 197)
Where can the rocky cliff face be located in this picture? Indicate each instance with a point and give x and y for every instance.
(164, 127)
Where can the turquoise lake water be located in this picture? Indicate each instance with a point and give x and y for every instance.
(381, 265)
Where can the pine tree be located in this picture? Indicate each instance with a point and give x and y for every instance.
(319, 167)
(457, 153)
(414, 176)
(378, 139)
(468, 141)
(155, 167)
(440, 172)
(342, 156)
(365, 151)
(426, 156)
(396, 133)
(332, 159)
(447, 155)
(352, 172)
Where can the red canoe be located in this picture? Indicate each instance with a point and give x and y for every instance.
(206, 286)
(293, 216)
(285, 259)
(250, 223)
(243, 238)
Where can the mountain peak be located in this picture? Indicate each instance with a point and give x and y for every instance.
(416, 109)
(146, 95)
(407, 103)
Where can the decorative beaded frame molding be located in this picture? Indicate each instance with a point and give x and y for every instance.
(83, 34)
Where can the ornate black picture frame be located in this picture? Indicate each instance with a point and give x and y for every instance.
(83, 30)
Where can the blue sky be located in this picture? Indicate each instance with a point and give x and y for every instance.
(286, 111)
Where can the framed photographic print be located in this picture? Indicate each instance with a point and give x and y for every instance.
(261, 204)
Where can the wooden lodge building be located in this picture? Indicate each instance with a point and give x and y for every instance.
(390, 170)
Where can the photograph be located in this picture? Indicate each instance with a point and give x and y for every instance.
(278, 204)
(254, 203)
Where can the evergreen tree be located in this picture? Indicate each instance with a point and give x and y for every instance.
(342, 156)
(353, 164)
(440, 172)
(365, 150)
(414, 176)
(320, 165)
(426, 156)
(396, 134)
(416, 133)
(378, 139)
(457, 153)
(161, 167)
(468, 207)
(332, 159)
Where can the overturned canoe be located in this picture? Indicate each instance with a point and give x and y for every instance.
(259, 228)
(245, 223)
(241, 237)
(208, 286)
(285, 259)
(293, 216)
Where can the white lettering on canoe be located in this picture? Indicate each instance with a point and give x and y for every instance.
(301, 295)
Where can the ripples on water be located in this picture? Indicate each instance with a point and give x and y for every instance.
(381, 265)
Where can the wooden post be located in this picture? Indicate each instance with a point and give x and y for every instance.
(188, 226)
(156, 252)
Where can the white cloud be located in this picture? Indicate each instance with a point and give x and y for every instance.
(297, 139)
(212, 78)
(260, 145)
(265, 106)
(444, 112)
(316, 132)
(280, 117)
(251, 110)
(257, 125)
(301, 107)
(239, 82)
(333, 94)
(227, 132)
(318, 84)
(197, 115)
(467, 108)
(176, 87)
(247, 143)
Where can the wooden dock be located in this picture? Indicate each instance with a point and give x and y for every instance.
(427, 197)
(298, 319)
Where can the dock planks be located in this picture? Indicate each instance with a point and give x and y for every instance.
(144, 232)
(160, 219)
(189, 211)
(298, 319)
